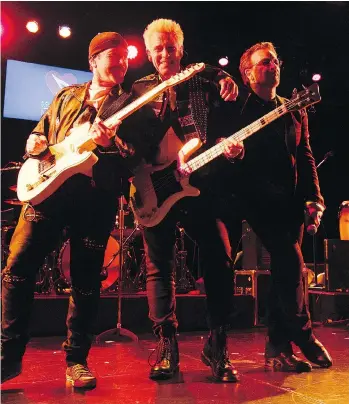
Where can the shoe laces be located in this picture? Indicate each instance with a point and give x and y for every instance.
(163, 351)
(224, 358)
(80, 370)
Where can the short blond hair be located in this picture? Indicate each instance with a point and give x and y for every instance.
(163, 25)
(245, 60)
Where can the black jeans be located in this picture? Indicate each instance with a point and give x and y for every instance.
(89, 213)
(159, 242)
(279, 225)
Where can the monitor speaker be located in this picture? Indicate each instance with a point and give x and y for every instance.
(337, 264)
(255, 256)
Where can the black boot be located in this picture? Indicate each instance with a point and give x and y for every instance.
(315, 352)
(282, 359)
(9, 370)
(167, 355)
(215, 354)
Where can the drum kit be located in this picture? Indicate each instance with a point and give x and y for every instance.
(343, 217)
(54, 275)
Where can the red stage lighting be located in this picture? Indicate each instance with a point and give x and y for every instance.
(32, 26)
(223, 61)
(64, 31)
(1, 29)
(132, 52)
(316, 77)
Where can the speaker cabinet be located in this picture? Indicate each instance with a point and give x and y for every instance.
(255, 256)
(337, 264)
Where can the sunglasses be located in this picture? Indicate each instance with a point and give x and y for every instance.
(267, 61)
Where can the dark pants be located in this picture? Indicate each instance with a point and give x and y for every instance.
(200, 214)
(279, 225)
(89, 213)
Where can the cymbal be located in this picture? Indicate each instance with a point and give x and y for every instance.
(13, 202)
(13, 188)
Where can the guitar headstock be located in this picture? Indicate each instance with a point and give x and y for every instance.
(304, 98)
(185, 74)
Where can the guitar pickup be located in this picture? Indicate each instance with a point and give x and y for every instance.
(43, 178)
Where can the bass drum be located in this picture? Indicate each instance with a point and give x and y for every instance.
(343, 216)
(111, 263)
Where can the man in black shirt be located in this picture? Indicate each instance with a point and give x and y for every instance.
(272, 186)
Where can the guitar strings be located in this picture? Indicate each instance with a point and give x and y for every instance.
(163, 181)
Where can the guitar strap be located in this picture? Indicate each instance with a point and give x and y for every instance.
(115, 106)
(199, 106)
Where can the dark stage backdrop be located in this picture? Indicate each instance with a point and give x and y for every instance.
(309, 36)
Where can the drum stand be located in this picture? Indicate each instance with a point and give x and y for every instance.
(119, 334)
(139, 282)
(186, 282)
(316, 285)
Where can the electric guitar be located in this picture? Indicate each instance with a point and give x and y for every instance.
(40, 178)
(156, 188)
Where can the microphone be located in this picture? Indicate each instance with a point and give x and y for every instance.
(329, 154)
(310, 225)
(326, 156)
(312, 217)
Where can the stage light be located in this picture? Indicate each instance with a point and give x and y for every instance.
(32, 26)
(316, 77)
(1, 29)
(132, 52)
(64, 31)
(223, 61)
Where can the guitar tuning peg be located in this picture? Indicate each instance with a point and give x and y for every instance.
(294, 92)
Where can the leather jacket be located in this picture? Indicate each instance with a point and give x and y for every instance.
(57, 121)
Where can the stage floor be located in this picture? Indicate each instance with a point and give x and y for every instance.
(122, 370)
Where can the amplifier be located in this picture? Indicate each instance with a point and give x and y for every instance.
(337, 264)
(255, 283)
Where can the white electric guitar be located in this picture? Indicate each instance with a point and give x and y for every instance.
(156, 188)
(40, 178)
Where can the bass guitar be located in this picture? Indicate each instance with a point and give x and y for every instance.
(156, 188)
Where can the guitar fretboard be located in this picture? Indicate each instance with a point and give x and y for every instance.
(218, 149)
(87, 144)
(153, 93)
(136, 104)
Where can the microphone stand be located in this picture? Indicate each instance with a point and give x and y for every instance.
(119, 334)
(326, 156)
(317, 285)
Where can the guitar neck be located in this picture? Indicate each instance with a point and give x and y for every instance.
(136, 104)
(88, 143)
(217, 150)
